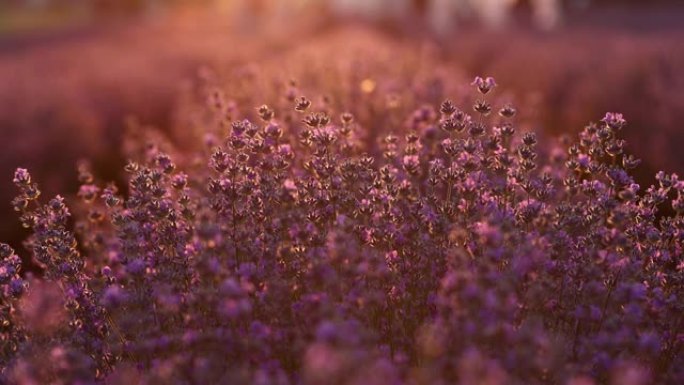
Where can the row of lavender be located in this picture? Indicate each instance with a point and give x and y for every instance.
(282, 253)
(75, 108)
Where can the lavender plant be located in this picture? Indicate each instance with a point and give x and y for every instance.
(290, 251)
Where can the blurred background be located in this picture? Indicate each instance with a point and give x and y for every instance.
(73, 71)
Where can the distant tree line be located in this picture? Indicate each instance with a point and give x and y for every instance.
(98, 5)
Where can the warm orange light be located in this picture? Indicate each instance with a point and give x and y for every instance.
(368, 86)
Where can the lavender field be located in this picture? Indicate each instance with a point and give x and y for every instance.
(341, 192)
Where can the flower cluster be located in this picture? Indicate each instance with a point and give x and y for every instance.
(290, 250)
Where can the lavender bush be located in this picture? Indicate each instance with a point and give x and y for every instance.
(292, 250)
(75, 108)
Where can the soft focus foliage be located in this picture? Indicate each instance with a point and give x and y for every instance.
(375, 234)
(65, 96)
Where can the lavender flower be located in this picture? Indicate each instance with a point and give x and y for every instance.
(297, 251)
